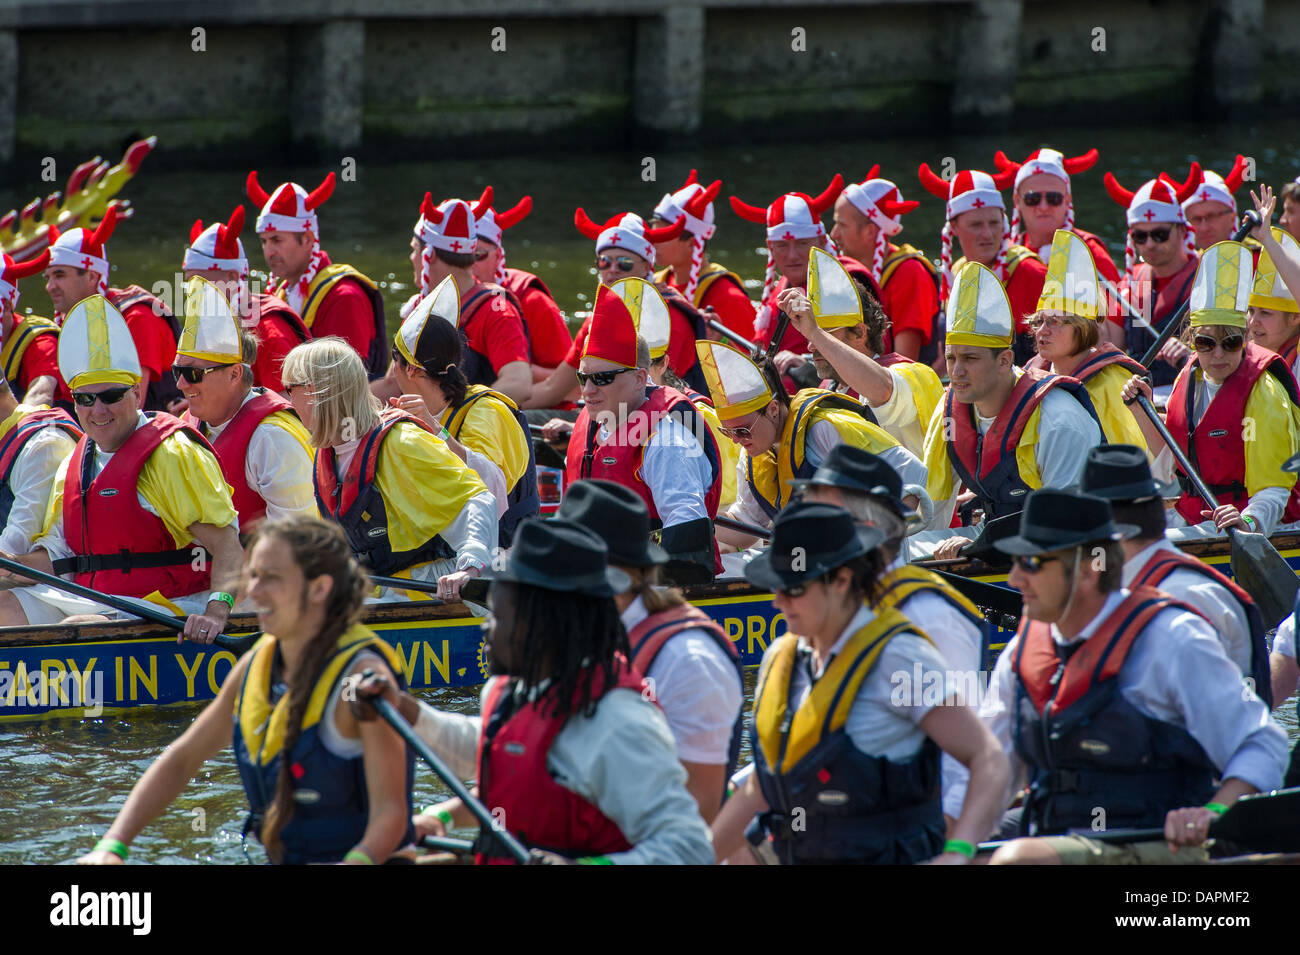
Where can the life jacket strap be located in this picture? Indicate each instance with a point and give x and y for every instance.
(124, 561)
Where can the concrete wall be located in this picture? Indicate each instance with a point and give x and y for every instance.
(394, 77)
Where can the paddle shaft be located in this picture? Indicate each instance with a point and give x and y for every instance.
(117, 603)
(726, 332)
(753, 530)
(458, 788)
(1252, 220)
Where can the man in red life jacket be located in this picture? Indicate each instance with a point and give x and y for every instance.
(868, 215)
(1156, 287)
(794, 228)
(79, 268)
(496, 350)
(685, 262)
(548, 334)
(569, 751)
(217, 254)
(649, 439)
(625, 248)
(264, 451)
(1094, 717)
(977, 218)
(30, 354)
(333, 298)
(34, 441)
(140, 508)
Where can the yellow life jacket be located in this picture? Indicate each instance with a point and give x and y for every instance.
(498, 426)
(900, 255)
(708, 275)
(769, 475)
(786, 739)
(900, 584)
(728, 452)
(1016, 254)
(263, 724)
(15, 346)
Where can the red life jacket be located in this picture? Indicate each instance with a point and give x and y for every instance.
(231, 448)
(17, 439)
(995, 476)
(1173, 292)
(122, 548)
(1086, 746)
(1103, 356)
(1289, 352)
(513, 777)
(1163, 563)
(1216, 447)
(517, 282)
(692, 374)
(162, 392)
(620, 459)
(476, 366)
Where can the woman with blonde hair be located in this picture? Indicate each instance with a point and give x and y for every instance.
(408, 505)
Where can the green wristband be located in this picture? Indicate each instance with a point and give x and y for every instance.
(957, 845)
(359, 855)
(1217, 808)
(115, 846)
(442, 815)
(595, 860)
(225, 598)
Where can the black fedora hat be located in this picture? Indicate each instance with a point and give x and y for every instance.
(618, 516)
(851, 468)
(1120, 472)
(809, 539)
(1058, 520)
(561, 555)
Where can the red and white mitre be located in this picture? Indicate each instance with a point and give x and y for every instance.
(1155, 202)
(881, 202)
(84, 249)
(970, 190)
(490, 224)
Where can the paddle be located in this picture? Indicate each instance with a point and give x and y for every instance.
(1255, 562)
(740, 340)
(394, 719)
(1252, 220)
(474, 590)
(236, 645)
(1263, 822)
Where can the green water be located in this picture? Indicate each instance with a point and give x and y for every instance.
(62, 782)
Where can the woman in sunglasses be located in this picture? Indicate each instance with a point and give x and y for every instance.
(1234, 409)
(409, 506)
(846, 744)
(1273, 320)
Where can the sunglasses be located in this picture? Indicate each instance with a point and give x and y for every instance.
(1052, 323)
(600, 378)
(1140, 236)
(1032, 199)
(1229, 343)
(1033, 564)
(744, 434)
(109, 396)
(624, 263)
(195, 375)
(480, 256)
(288, 386)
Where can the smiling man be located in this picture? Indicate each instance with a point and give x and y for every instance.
(140, 508)
(264, 451)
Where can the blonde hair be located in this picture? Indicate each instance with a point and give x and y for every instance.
(340, 392)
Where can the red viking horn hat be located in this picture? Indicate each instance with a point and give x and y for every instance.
(11, 271)
(699, 202)
(322, 192)
(516, 214)
(933, 184)
(1186, 189)
(255, 192)
(1234, 179)
(484, 203)
(1122, 196)
(429, 211)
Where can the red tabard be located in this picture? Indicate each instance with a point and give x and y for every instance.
(111, 520)
(620, 460)
(513, 776)
(231, 448)
(1218, 448)
(1104, 354)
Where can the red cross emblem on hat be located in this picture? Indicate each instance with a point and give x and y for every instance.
(86, 262)
(306, 224)
(979, 203)
(789, 236)
(1148, 215)
(871, 214)
(1205, 195)
(270, 227)
(455, 246)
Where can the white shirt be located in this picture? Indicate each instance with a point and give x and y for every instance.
(621, 759)
(676, 470)
(277, 467)
(899, 415)
(31, 482)
(695, 683)
(1284, 640)
(1214, 601)
(821, 438)
(1176, 672)
(1066, 432)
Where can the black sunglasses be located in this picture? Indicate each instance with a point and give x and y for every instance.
(110, 396)
(600, 378)
(624, 263)
(195, 375)
(1229, 343)
(1034, 563)
(480, 256)
(1032, 199)
(1140, 236)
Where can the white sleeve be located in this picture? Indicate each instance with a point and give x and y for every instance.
(1217, 606)
(899, 410)
(697, 686)
(623, 761)
(54, 542)
(1266, 507)
(822, 437)
(453, 736)
(1284, 639)
(491, 474)
(30, 481)
(473, 534)
(1066, 432)
(279, 469)
(997, 710)
(677, 471)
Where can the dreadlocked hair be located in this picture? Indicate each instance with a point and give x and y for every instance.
(318, 547)
(568, 638)
(439, 355)
(645, 584)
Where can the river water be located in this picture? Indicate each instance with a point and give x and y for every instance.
(62, 781)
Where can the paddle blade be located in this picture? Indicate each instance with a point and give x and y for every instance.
(1264, 822)
(1265, 575)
